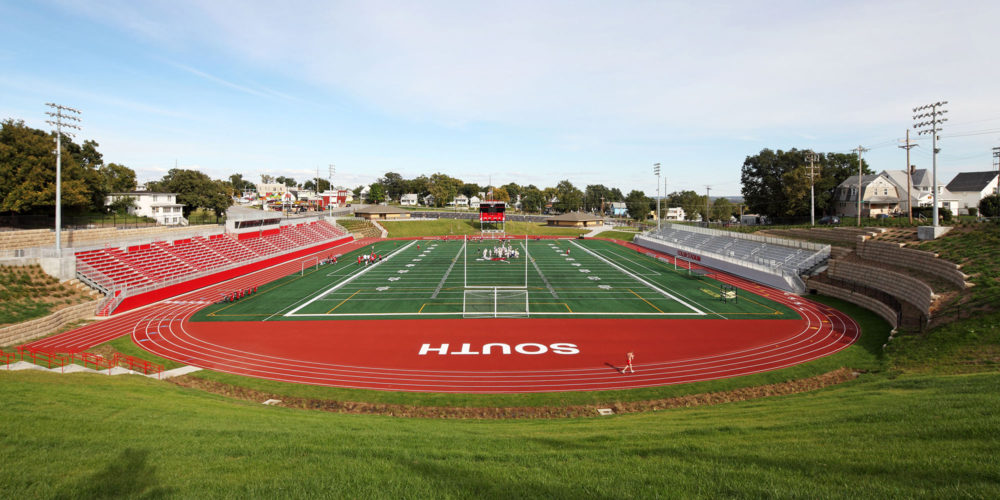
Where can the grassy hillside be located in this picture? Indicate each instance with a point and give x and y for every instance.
(95, 436)
(26, 292)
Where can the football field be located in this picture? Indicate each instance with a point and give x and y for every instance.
(496, 278)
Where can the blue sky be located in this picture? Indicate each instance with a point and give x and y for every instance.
(530, 92)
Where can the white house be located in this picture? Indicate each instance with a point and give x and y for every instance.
(474, 202)
(408, 200)
(462, 201)
(162, 207)
(879, 196)
(674, 213)
(921, 190)
(971, 187)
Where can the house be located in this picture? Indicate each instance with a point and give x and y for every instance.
(971, 187)
(474, 202)
(162, 207)
(461, 201)
(429, 200)
(382, 212)
(618, 209)
(879, 196)
(674, 213)
(408, 200)
(921, 190)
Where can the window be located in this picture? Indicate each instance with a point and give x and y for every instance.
(156, 198)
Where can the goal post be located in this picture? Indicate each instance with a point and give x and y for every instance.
(495, 303)
(309, 262)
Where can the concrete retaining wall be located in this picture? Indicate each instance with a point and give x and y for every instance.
(30, 330)
(900, 286)
(896, 254)
(860, 299)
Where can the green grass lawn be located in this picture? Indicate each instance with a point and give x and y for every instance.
(93, 436)
(618, 235)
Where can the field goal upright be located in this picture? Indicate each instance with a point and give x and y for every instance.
(495, 276)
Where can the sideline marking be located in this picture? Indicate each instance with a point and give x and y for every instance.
(342, 301)
(342, 283)
(644, 300)
(644, 282)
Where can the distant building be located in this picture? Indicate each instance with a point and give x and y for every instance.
(878, 196)
(474, 202)
(618, 209)
(921, 190)
(575, 219)
(162, 207)
(408, 200)
(461, 201)
(971, 187)
(674, 213)
(382, 212)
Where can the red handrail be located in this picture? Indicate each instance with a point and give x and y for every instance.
(7, 358)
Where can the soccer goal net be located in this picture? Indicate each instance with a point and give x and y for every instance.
(495, 303)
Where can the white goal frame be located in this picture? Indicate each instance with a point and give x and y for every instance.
(496, 296)
(465, 266)
(308, 262)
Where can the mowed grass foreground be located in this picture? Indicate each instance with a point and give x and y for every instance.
(93, 436)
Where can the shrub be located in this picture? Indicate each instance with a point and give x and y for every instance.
(990, 206)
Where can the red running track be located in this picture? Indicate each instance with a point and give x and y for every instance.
(525, 355)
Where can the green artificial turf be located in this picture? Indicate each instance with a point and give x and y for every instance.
(438, 227)
(93, 436)
(424, 278)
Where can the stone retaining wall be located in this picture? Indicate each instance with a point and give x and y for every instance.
(900, 286)
(874, 305)
(918, 260)
(838, 235)
(29, 330)
(31, 238)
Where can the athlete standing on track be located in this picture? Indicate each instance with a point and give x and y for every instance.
(628, 363)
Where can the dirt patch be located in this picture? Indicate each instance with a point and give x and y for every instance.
(395, 410)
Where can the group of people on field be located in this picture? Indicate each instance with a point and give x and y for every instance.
(502, 252)
(369, 258)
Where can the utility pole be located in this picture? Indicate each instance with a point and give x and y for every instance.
(860, 149)
(708, 192)
(931, 113)
(996, 156)
(59, 116)
(909, 175)
(812, 157)
(656, 170)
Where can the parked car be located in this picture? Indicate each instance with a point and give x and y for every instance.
(829, 220)
(882, 216)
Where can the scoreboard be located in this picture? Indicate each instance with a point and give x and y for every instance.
(492, 211)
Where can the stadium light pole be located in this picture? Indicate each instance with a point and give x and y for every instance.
(932, 118)
(812, 158)
(656, 171)
(59, 115)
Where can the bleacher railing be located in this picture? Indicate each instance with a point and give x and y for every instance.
(820, 252)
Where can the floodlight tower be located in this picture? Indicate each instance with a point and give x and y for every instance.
(860, 149)
(656, 171)
(59, 115)
(812, 157)
(931, 125)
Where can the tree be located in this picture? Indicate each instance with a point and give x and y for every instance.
(287, 181)
(692, 203)
(596, 195)
(117, 178)
(990, 206)
(637, 204)
(570, 198)
(443, 188)
(420, 186)
(469, 189)
(357, 192)
(195, 190)
(532, 199)
(500, 194)
(310, 184)
(28, 172)
(722, 209)
(240, 184)
(375, 193)
(394, 185)
(121, 205)
(776, 182)
(513, 190)
(266, 179)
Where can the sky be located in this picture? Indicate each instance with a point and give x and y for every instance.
(531, 92)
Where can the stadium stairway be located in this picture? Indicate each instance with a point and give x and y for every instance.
(74, 368)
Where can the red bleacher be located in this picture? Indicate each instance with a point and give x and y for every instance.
(161, 261)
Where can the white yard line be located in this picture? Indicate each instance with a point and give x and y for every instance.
(342, 283)
(627, 273)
